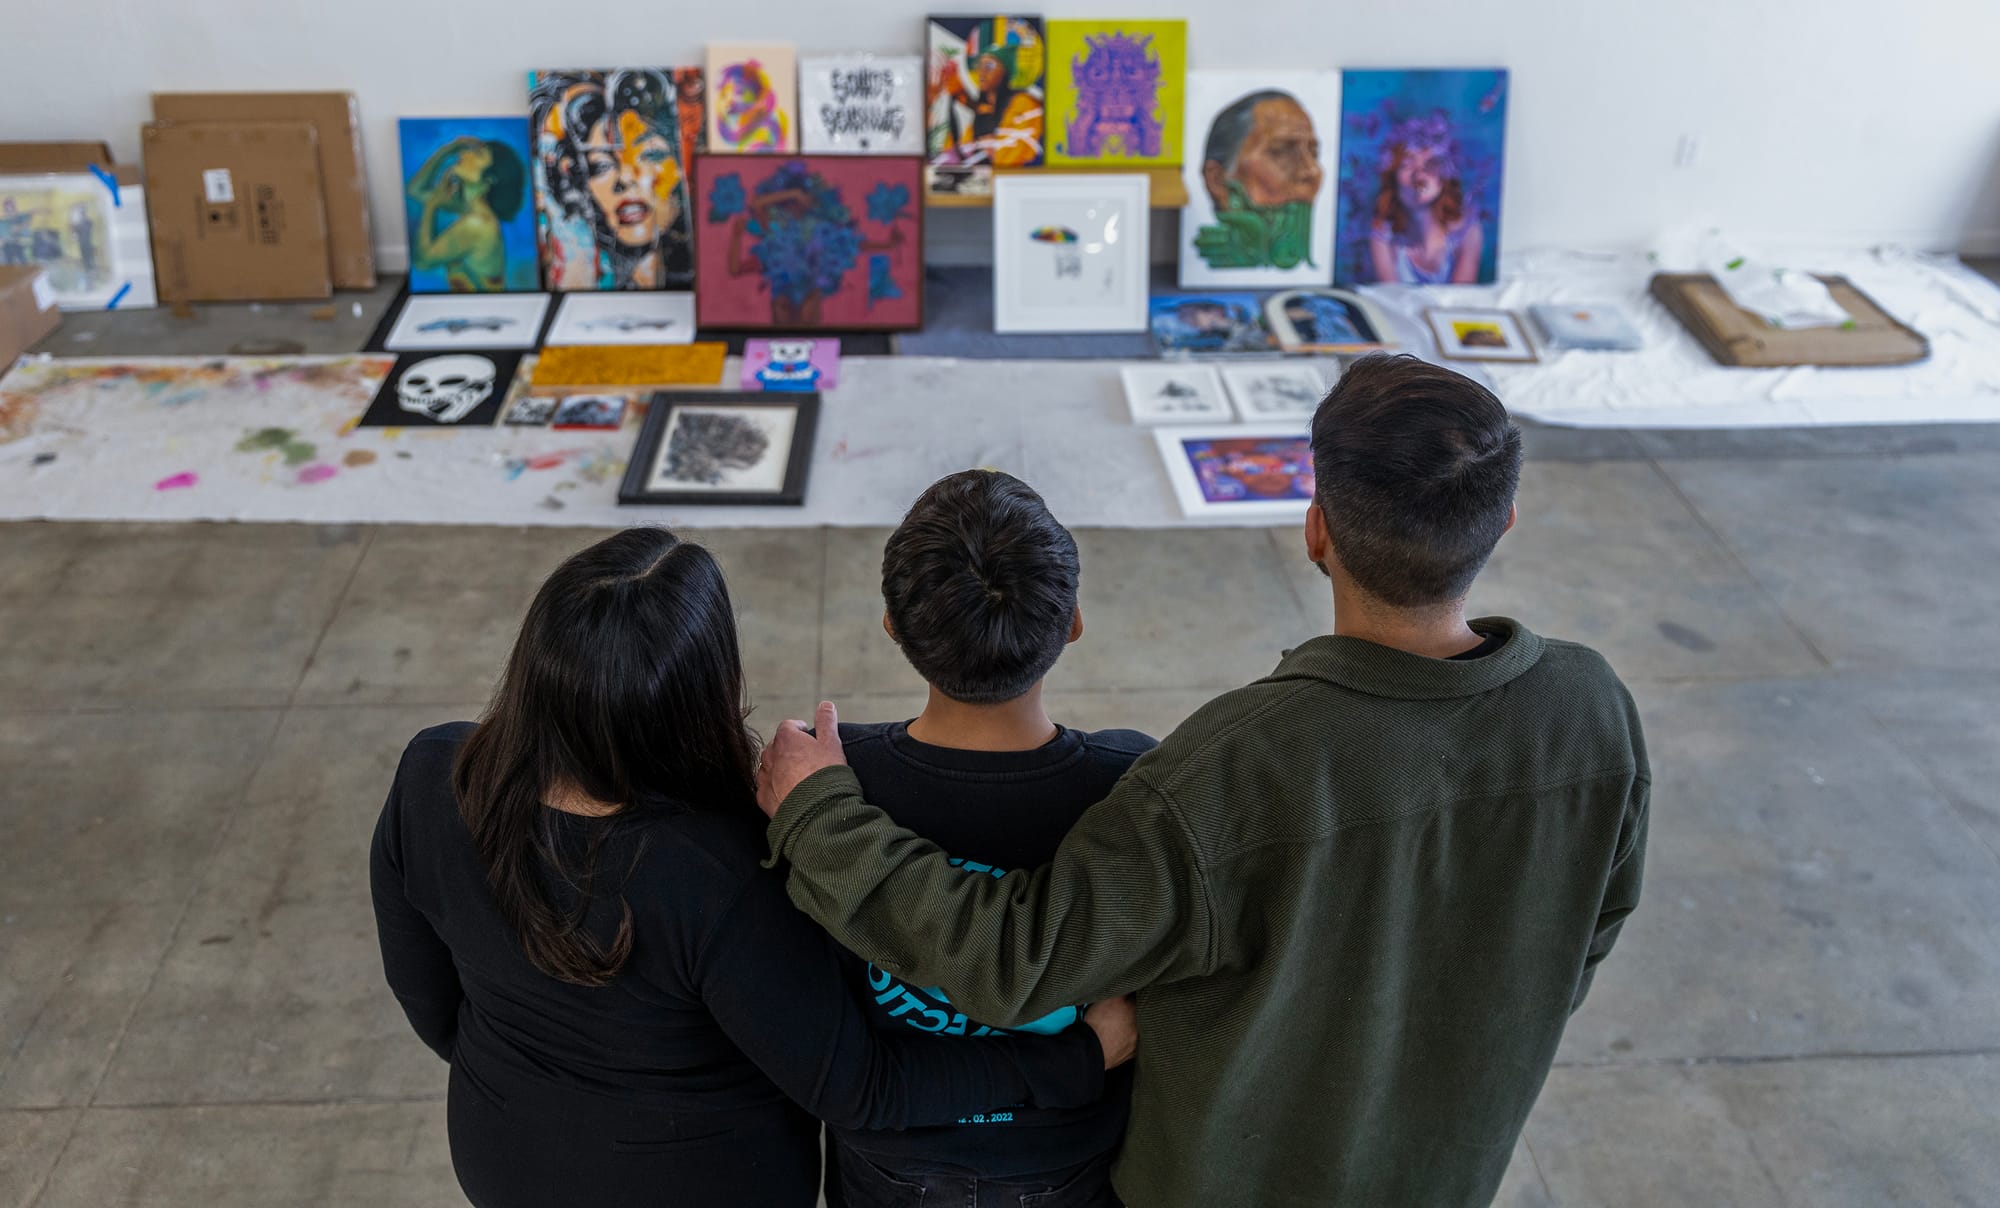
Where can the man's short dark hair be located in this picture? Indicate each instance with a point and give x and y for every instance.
(1231, 126)
(980, 584)
(1416, 468)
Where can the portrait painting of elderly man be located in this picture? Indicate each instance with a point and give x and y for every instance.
(1259, 181)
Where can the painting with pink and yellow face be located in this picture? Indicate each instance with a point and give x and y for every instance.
(611, 194)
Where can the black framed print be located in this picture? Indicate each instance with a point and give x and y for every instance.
(722, 448)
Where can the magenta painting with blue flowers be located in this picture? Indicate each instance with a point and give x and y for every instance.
(809, 242)
(1421, 154)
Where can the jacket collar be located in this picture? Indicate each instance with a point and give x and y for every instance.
(1380, 671)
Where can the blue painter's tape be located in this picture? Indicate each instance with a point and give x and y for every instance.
(110, 182)
(119, 296)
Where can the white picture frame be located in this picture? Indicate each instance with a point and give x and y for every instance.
(1175, 392)
(1210, 94)
(436, 322)
(1274, 392)
(1070, 252)
(88, 233)
(861, 104)
(623, 317)
(1465, 333)
(1287, 481)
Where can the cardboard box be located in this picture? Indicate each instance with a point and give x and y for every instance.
(238, 212)
(27, 310)
(52, 157)
(1734, 336)
(338, 121)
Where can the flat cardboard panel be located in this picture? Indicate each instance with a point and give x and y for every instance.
(338, 120)
(26, 312)
(1734, 336)
(238, 212)
(52, 157)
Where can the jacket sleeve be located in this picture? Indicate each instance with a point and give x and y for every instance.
(1123, 905)
(777, 986)
(1621, 892)
(416, 962)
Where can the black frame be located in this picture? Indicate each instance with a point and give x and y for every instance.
(647, 449)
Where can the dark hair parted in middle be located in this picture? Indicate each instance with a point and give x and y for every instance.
(980, 586)
(625, 685)
(1416, 468)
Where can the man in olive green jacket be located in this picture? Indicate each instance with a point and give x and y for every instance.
(1358, 898)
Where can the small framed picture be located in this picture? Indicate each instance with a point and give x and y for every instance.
(529, 410)
(1249, 470)
(443, 390)
(714, 447)
(440, 322)
(1070, 252)
(1267, 393)
(589, 412)
(624, 317)
(1479, 335)
(1174, 394)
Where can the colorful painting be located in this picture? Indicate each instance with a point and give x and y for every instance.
(983, 96)
(611, 194)
(861, 105)
(589, 412)
(753, 100)
(691, 85)
(1260, 197)
(1205, 323)
(810, 243)
(1117, 91)
(1239, 472)
(466, 204)
(798, 364)
(1421, 154)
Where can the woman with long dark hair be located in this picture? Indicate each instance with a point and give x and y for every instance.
(572, 913)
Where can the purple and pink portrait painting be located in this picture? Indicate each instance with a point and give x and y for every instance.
(809, 242)
(796, 365)
(1421, 154)
(1269, 470)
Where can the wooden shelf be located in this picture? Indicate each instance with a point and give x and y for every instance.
(1166, 188)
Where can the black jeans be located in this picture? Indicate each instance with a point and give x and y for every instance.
(863, 1184)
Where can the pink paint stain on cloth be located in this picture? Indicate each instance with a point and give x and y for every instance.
(319, 471)
(185, 478)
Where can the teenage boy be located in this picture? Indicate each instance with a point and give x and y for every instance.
(979, 588)
(1359, 898)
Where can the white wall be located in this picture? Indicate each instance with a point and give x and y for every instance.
(1855, 121)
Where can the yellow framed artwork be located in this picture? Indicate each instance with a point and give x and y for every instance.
(1116, 91)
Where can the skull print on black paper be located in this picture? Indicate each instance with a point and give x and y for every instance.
(446, 388)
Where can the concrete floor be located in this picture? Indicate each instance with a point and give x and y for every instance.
(198, 722)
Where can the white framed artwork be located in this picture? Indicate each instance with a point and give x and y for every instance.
(430, 322)
(861, 104)
(1467, 334)
(1069, 252)
(1245, 470)
(1265, 392)
(623, 317)
(1261, 162)
(1174, 393)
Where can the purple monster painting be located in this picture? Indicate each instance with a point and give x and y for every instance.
(1115, 91)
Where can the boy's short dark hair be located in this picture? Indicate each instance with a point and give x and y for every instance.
(980, 584)
(1416, 468)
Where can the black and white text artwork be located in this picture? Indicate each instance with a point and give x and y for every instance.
(861, 105)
